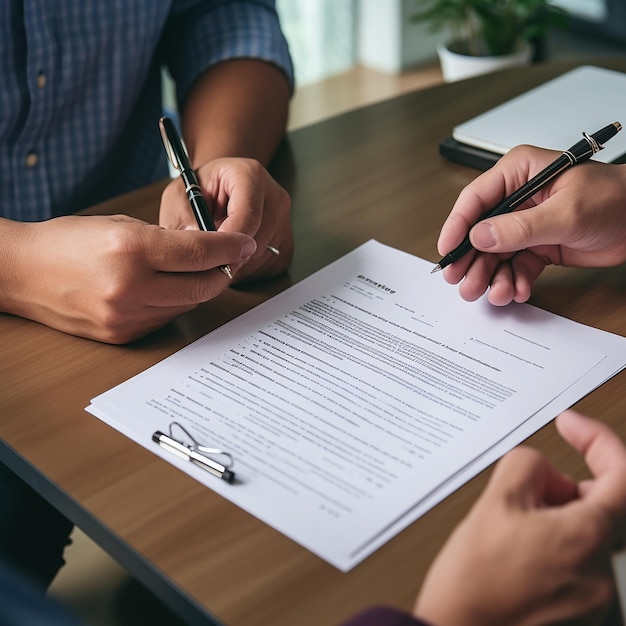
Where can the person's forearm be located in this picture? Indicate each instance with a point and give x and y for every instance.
(237, 108)
(13, 251)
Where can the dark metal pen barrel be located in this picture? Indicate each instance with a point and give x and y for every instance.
(200, 208)
(606, 133)
(579, 152)
(590, 144)
(532, 186)
(177, 155)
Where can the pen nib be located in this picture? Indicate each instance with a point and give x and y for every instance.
(436, 269)
(226, 269)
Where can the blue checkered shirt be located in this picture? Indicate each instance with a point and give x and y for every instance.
(80, 90)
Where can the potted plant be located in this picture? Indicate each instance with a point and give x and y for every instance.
(493, 33)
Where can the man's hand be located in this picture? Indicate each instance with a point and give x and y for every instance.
(577, 220)
(243, 198)
(113, 279)
(536, 548)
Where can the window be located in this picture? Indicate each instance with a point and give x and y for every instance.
(321, 36)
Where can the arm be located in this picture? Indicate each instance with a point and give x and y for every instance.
(113, 279)
(234, 77)
(237, 108)
(536, 548)
(116, 279)
(579, 219)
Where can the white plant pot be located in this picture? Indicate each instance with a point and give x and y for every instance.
(459, 66)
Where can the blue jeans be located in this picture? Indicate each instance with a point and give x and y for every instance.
(23, 603)
(33, 534)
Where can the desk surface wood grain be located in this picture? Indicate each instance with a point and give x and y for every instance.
(370, 173)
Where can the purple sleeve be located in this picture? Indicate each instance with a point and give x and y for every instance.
(384, 616)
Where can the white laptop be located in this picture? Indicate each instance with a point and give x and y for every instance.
(554, 115)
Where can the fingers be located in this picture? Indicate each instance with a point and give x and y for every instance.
(186, 265)
(119, 327)
(465, 212)
(488, 190)
(175, 212)
(546, 223)
(238, 191)
(576, 220)
(508, 276)
(524, 479)
(508, 279)
(194, 251)
(502, 287)
(243, 198)
(149, 266)
(259, 207)
(526, 267)
(242, 190)
(605, 455)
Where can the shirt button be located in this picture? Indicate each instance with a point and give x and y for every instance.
(41, 80)
(32, 158)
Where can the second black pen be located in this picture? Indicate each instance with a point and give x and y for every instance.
(579, 152)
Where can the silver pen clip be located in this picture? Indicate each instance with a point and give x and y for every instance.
(196, 453)
(174, 147)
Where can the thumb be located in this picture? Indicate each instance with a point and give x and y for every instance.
(605, 456)
(525, 479)
(519, 230)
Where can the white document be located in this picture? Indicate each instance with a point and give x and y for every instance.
(554, 115)
(356, 399)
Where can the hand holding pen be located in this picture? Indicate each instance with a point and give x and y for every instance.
(578, 153)
(177, 155)
(577, 220)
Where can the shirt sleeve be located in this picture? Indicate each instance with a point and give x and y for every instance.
(384, 616)
(201, 34)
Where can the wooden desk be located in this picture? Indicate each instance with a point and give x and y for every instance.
(374, 172)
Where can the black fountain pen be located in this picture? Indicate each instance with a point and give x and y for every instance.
(579, 152)
(177, 156)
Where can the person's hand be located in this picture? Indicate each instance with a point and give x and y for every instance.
(578, 219)
(243, 198)
(536, 547)
(113, 279)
